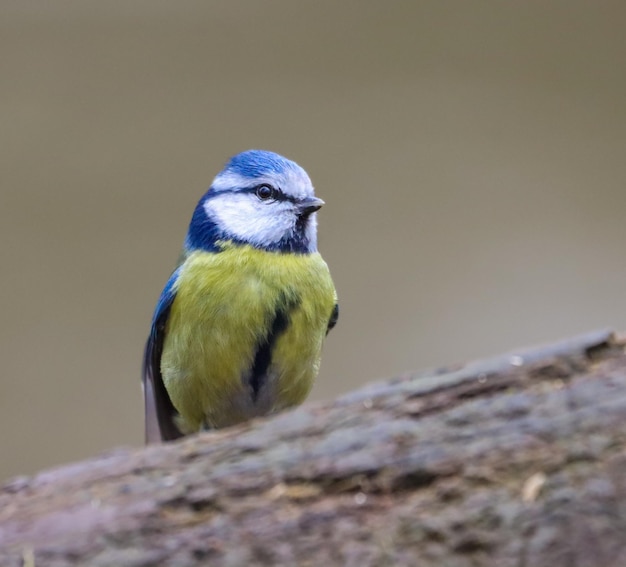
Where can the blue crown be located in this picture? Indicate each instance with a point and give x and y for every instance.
(259, 163)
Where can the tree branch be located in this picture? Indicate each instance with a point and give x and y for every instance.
(519, 460)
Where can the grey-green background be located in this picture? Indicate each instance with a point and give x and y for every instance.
(472, 156)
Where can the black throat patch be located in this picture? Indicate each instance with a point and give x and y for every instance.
(263, 356)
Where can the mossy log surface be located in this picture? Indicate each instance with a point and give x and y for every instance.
(518, 460)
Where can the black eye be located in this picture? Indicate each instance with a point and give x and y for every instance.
(265, 192)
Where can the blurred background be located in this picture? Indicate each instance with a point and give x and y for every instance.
(472, 156)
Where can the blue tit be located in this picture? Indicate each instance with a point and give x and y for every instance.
(238, 329)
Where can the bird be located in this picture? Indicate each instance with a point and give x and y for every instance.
(238, 329)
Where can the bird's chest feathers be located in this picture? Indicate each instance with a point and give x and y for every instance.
(244, 333)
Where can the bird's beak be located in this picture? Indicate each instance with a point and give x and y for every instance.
(309, 205)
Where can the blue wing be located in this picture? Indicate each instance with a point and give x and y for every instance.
(160, 412)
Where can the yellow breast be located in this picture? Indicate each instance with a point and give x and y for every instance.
(224, 313)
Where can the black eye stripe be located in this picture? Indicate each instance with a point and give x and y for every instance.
(278, 195)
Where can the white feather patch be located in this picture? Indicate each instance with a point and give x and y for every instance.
(245, 217)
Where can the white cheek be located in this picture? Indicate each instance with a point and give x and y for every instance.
(245, 218)
(311, 232)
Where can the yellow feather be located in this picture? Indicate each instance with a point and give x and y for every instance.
(224, 307)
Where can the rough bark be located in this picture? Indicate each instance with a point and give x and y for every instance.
(514, 461)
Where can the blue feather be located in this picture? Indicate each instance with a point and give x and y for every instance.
(259, 163)
(203, 233)
(167, 297)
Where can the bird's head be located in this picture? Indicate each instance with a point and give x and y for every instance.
(260, 198)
